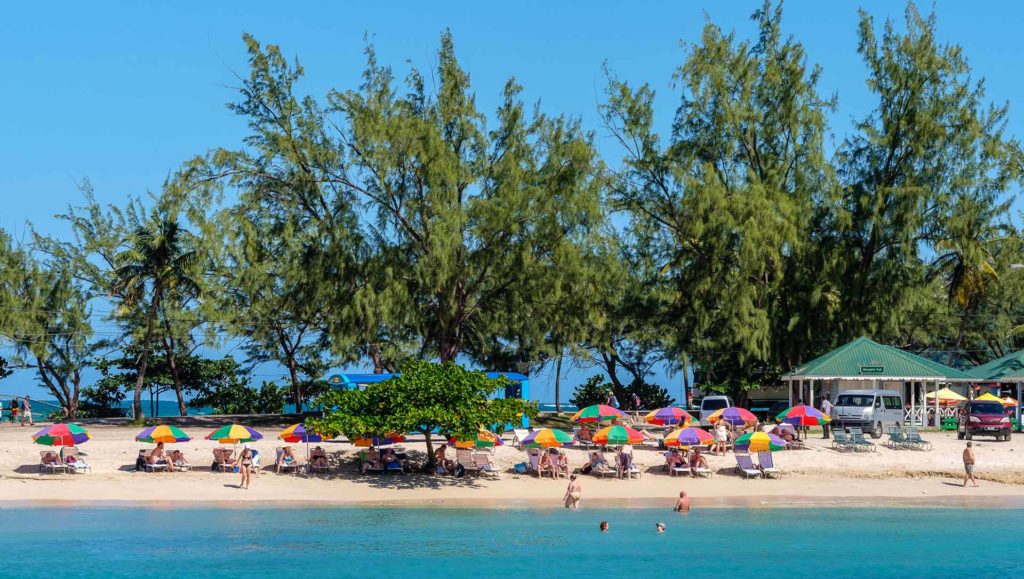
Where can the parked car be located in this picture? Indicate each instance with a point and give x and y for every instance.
(984, 418)
(874, 411)
(709, 404)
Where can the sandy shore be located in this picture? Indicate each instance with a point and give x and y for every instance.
(817, 475)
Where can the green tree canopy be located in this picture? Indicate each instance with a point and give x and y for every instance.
(427, 398)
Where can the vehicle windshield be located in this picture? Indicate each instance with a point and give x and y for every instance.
(858, 400)
(986, 408)
(714, 404)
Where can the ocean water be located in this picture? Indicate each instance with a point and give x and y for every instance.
(427, 542)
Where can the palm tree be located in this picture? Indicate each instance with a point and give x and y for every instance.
(156, 265)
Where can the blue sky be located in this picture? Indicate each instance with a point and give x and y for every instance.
(122, 93)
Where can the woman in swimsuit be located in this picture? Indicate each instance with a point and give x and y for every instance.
(244, 465)
(287, 458)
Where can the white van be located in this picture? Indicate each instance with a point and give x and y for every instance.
(874, 411)
(709, 404)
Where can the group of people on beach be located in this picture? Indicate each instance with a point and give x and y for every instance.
(19, 410)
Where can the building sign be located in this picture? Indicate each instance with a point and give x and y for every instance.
(872, 369)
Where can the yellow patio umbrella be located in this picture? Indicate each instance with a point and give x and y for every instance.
(945, 395)
(989, 397)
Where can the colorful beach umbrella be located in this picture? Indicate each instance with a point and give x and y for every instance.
(546, 438)
(233, 434)
(597, 413)
(377, 440)
(988, 397)
(689, 436)
(298, 433)
(164, 433)
(61, 435)
(758, 442)
(668, 417)
(733, 415)
(483, 439)
(1009, 401)
(617, 435)
(803, 415)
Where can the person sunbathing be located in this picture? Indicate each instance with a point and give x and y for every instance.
(546, 464)
(286, 459)
(784, 433)
(318, 458)
(585, 435)
(158, 457)
(372, 460)
(697, 460)
(563, 464)
(674, 460)
(178, 459)
(50, 458)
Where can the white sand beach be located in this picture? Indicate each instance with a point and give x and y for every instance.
(812, 476)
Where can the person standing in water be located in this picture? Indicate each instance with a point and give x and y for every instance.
(603, 526)
(969, 464)
(683, 504)
(573, 493)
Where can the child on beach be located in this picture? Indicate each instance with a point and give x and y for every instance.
(969, 464)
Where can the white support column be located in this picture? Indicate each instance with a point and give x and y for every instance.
(913, 402)
(810, 401)
(1019, 405)
(938, 419)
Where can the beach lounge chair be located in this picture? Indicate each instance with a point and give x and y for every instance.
(182, 465)
(676, 470)
(55, 464)
(859, 442)
(484, 464)
(745, 466)
(313, 465)
(222, 460)
(534, 459)
(841, 440)
(518, 435)
(255, 468)
(464, 458)
(896, 438)
(584, 444)
(73, 460)
(915, 440)
(292, 466)
(154, 466)
(767, 465)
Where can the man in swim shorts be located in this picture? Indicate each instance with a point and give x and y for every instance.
(969, 464)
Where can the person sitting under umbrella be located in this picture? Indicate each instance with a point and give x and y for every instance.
(318, 458)
(287, 459)
(178, 459)
(697, 460)
(785, 432)
(50, 458)
(158, 457)
(372, 460)
(445, 465)
(585, 435)
(674, 460)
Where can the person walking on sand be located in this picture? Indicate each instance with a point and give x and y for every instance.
(826, 409)
(573, 493)
(683, 504)
(14, 410)
(244, 464)
(969, 464)
(26, 410)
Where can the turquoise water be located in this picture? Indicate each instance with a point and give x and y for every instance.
(383, 542)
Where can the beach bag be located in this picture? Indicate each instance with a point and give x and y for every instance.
(460, 471)
(521, 468)
(140, 463)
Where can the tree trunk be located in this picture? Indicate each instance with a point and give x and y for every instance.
(175, 376)
(378, 366)
(296, 387)
(431, 461)
(144, 361)
(558, 380)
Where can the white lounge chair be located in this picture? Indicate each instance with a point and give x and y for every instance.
(484, 464)
(56, 465)
(74, 461)
(152, 466)
(767, 465)
(518, 435)
(745, 466)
